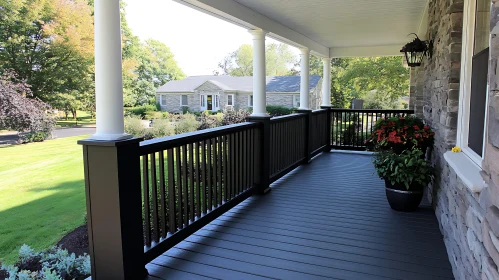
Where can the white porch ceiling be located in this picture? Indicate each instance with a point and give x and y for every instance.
(328, 27)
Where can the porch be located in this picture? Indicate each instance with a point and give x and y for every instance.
(328, 219)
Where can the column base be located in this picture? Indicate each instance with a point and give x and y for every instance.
(110, 137)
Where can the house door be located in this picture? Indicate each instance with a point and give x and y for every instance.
(210, 102)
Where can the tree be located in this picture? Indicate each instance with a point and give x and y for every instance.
(380, 80)
(146, 66)
(278, 59)
(49, 43)
(19, 111)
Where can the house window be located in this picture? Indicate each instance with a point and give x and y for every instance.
(230, 100)
(201, 101)
(473, 94)
(250, 101)
(162, 100)
(296, 101)
(183, 100)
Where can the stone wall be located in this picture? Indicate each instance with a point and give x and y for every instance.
(469, 221)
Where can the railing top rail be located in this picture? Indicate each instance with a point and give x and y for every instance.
(372, 110)
(287, 117)
(319, 111)
(164, 143)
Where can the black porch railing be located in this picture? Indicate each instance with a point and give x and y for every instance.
(143, 198)
(351, 128)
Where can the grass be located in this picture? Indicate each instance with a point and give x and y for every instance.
(42, 194)
(83, 119)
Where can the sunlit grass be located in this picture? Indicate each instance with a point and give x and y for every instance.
(42, 194)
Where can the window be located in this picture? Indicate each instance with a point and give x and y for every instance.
(296, 101)
(183, 100)
(230, 100)
(162, 100)
(201, 101)
(250, 101)
(473, 90)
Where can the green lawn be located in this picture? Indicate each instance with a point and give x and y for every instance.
(42, 194)
(82, 118)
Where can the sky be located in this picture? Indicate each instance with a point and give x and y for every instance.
(198, 41)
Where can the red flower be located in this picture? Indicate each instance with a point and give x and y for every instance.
(417, 135)
(426, 127)
(416, 127)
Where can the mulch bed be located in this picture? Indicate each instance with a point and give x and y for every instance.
(76, 241)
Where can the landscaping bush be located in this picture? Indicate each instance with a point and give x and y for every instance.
(133, 126)
(275, 111)
(207, 120)
(186, 123)
(55, 263)
(151, 115)
(233, 117)
(140, 111)
(162, 128)
(30, 117)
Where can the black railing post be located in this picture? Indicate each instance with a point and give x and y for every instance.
(262, 162)
(329, 128)
(308, 134)
(114, 208)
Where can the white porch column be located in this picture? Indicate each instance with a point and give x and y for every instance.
(326, 82)
(305, 79)
(259, 83)
(108, 73)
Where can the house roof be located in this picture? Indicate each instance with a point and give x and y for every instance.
(245, 84)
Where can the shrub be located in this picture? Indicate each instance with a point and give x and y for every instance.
(140, 111)
(151, 115)
(158, 106)
(162, 128)
(275, 111)
(30, 117)
(233, 117)
(186, 123)
(207, 120)
(54, 263)
(134, 126)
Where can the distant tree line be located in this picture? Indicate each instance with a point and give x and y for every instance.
(49, 45)
(380, 81)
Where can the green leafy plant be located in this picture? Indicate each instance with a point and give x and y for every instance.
(275, 111)
(54, 263)
(233, 117)
(140, 111)
(408, 169)
(186, 123)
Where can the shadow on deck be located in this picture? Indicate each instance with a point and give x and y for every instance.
(329, 219)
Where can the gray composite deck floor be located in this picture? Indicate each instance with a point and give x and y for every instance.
(329, 219)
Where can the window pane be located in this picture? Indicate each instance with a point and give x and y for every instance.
(163, 100)
(482, 25)
(229, 100)
(478, 101)
(184, 99)
(251, 100)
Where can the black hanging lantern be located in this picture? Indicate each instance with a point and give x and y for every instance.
(416, 50)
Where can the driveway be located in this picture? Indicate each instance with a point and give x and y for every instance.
(10, 139)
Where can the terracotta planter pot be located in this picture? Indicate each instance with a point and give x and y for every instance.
(401, 199)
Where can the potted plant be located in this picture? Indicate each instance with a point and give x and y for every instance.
(406, 175)
(400, 134)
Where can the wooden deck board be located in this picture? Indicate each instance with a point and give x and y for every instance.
(329, 219)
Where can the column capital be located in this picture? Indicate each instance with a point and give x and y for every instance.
(326, 59)
(258, 33)
(305, 51)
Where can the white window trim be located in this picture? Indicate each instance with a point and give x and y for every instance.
(469, 19)
(295, 103)
(249, 101)
(161, 98)
(184, 105)
(231, 95)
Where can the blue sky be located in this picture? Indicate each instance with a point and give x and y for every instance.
(199, 41)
